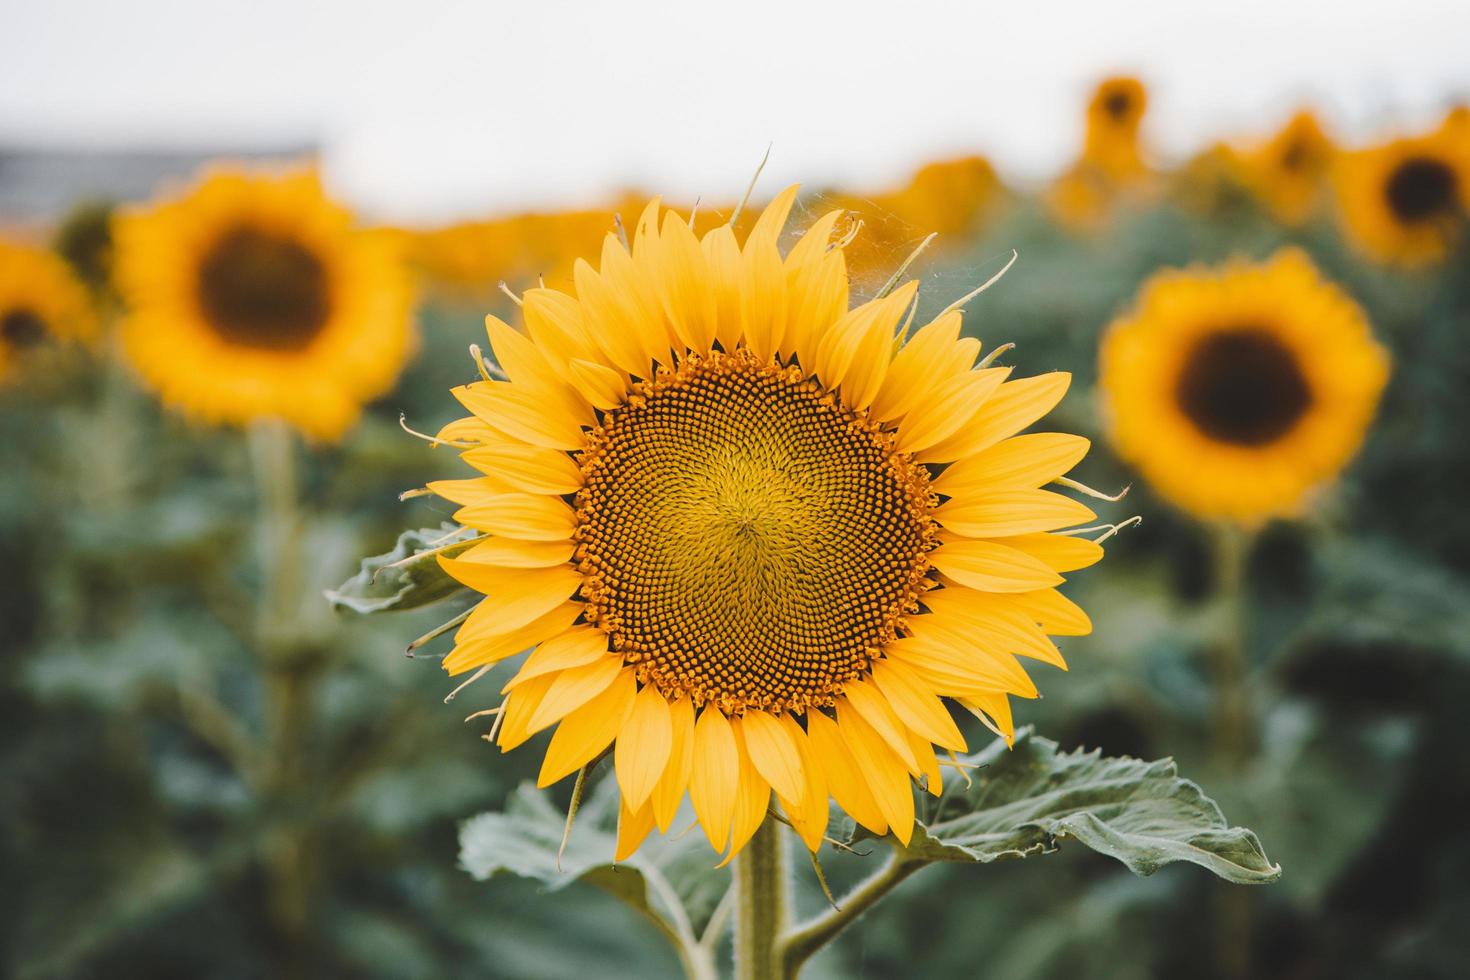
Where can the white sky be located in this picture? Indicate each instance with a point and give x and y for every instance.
(432, 109)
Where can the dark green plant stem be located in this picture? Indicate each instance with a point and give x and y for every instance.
(760, 914)
(1230, 664)
(285, 846)
(1233, 731)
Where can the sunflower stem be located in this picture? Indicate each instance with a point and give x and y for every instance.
(760, 917)
(285, 847)
(1230, 662)
(1232, 731)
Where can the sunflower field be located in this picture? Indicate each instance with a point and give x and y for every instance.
(971, 576)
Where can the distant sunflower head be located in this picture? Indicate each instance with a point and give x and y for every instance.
(1238, 391)
(1114, 117)
(753, 539)
(1289, 172)
(1405, 202)
(254, 296)
(41, 305)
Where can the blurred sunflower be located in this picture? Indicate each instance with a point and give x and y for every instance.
(752, 539)
(1404, 202)
(948, 196)
(1114, 117)
(254, 296)
(1238, 391)
(1290, 171)
(1111, 168)
(41, 302)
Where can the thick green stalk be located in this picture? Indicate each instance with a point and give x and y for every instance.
(760, 915)
(286, 850)
(1230, 664)
(1233, 732)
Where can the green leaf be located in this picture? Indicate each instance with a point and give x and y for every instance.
(407, 577)
(1027, 800)
(525, 838)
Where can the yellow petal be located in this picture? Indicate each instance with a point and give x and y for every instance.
(1055, 613)
(722, 254)
(513, 596)
(633, 828)
(675, 778)
(918, 369)
(601, 385)
(854, 353)
(470, 429)
(816, 287)
(715, 775)
(812, 248)
(513, 553)
(928, 763)
(915, 705)
(994, 711)
(524, 365)
(555, 323)
(686, 288)
(1016, 405)
(583, 734)
(1022, 462)
(609, 323)
(520, 711)
(768, 227)
(954, 404)
(846, 783)
(991, 566)
(869, 702)
(869, 365)
(815, 301)
(640, 311)
(881, 769)
(774, 754)
(524, 413)
(752, 798)
(574, 687)
(523, 516)
(1060, 552)
(576, 647)
(992, 621)
(954, 663)
(529, 468)
(643, 747)
(1005, 512)
(762, 299)
(476, 644)
(809, 817)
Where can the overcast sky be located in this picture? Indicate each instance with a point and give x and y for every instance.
(430, 109)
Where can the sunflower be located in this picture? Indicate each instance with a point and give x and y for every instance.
(1111, 168)
(1404, 202)
(751, 538)
(1289, 172)
(1238, 391)
(41, 302)
(253, 296)
(1114, 116)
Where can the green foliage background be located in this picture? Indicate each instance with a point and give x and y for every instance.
(135, 704)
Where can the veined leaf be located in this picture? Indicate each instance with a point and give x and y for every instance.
(407, 577)
(524, 840)
(1028, 800)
